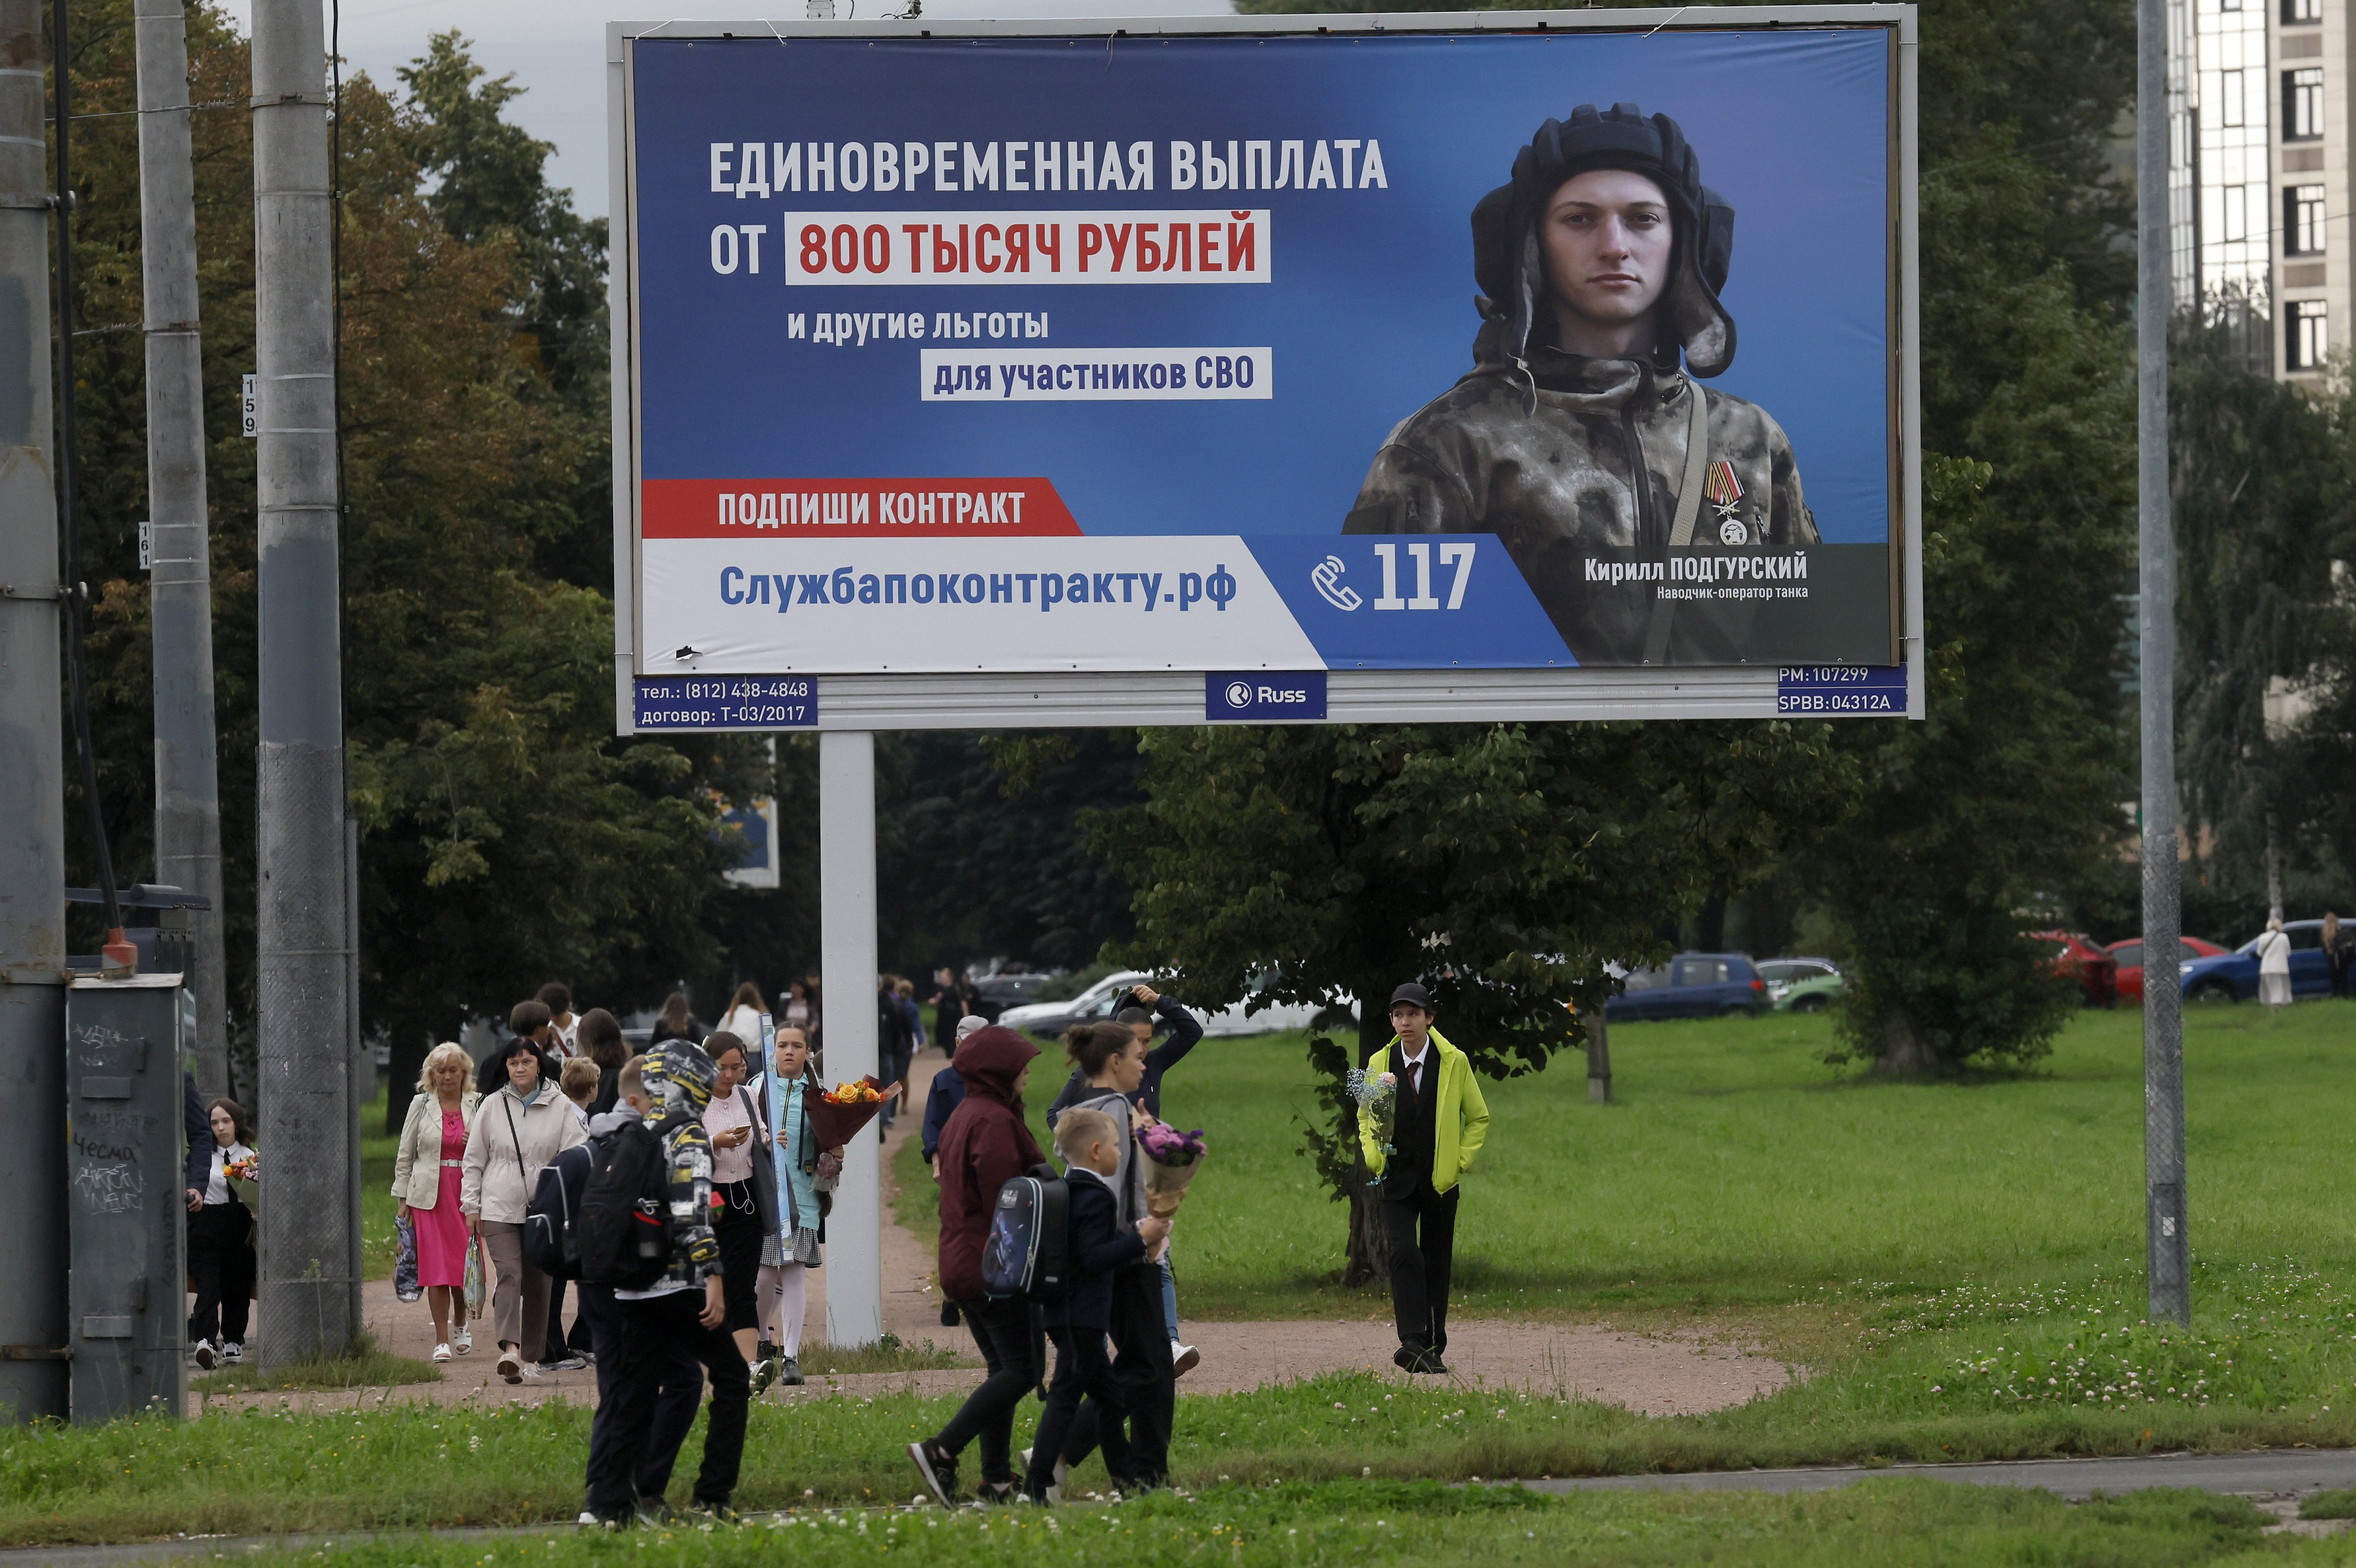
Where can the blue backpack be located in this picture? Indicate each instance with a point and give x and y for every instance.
(1028, 1254)
(550, 1244)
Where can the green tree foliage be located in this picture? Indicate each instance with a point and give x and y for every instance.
(507, 837)
(2261, 482)
(1504, 865)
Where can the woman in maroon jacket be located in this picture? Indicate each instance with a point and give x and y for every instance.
(984, 1145)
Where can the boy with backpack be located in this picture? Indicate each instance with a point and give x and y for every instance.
(646, 1229)
(1099, 1245)
(563, 1189)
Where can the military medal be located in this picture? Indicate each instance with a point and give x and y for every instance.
(1724, 492)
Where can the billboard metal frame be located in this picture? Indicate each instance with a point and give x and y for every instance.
(952, 700)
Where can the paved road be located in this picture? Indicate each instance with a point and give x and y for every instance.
(2268, 1470)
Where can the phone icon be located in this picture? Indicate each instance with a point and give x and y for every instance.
(1326, 577)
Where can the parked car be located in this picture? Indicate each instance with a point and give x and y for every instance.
(2234, 976)
(1006, 988)
(2078, 957)
(2128, 952)
(1099, 1001)
(1691, 985)
(1801, 985)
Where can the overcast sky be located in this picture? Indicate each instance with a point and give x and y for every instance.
(556, 49)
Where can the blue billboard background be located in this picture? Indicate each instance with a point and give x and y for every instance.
(1369, 311)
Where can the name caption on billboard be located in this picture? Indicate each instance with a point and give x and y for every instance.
(1094, 374)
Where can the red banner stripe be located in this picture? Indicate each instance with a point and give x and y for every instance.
(865, 509)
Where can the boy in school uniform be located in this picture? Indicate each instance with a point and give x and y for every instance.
(1098, 1246)
(673, 1324)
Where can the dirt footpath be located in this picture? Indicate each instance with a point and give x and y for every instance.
(1666, 1374)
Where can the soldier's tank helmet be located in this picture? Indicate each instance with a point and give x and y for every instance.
(1510, 266)
(680, 1078)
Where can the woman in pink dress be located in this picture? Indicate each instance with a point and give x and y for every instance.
(426, 1175)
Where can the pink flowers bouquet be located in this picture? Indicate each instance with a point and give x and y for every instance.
(1172, 1158)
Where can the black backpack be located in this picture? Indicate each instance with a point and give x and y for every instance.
(623, 1225)
(550, 1244)
(1028, 1254)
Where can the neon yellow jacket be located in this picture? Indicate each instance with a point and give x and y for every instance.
(1461, 1113)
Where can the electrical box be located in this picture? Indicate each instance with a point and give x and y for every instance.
(125, 1203)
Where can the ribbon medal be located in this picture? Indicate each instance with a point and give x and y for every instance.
(1724, 492)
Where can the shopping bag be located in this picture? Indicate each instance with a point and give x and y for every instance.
(404, 1265)
(477, 1290)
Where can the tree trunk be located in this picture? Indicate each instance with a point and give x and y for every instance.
(2273, 871)
(1599, 1058)
(1904, 1053)
(1369, 1256)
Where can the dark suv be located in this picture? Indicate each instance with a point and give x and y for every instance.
(1692, 986)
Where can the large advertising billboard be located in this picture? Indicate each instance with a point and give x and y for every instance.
(1552, 349)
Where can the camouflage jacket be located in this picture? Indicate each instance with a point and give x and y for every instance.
(1583, 459)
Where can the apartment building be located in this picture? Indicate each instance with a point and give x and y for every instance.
(2259, 178)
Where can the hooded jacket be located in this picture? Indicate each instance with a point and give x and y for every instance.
(1568, 459)
(984, 1145)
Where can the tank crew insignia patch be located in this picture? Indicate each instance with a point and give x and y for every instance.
(1724, 492)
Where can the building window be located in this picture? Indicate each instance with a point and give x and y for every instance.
(2309, 339)
(2303, 219)
(2303, 105)
(2297, 11)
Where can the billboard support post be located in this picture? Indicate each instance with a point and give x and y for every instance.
(2163, 1009)
(846, 874)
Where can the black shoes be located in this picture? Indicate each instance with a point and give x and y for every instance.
(1410, 1358)
(938, 1466)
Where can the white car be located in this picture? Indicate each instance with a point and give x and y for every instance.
(1100, 1000)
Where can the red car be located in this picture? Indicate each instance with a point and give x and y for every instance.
(2128, 956)
(2082, 959)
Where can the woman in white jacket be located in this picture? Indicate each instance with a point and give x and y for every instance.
(429, 1185)
(2274, 967)
(516, 1130)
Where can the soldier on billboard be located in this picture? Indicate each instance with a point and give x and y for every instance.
(1582, 433)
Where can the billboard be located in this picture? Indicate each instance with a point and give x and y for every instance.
(1354, 348)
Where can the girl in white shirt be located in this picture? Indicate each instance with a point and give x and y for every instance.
(221, 1241)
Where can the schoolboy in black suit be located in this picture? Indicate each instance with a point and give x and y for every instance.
(1099, 1245)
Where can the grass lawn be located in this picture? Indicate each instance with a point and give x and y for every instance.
(1958, 1266)
(1370, 1525)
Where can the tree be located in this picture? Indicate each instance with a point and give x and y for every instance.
(1504, 865)
(508, 836)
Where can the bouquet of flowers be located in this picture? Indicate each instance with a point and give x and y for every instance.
(246, 1169)
(1172, 1158)
(1377, 1098)
(843, 1109)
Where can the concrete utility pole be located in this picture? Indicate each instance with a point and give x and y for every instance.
(188, 773)
(302, 1006)
(2163, 1003)
(846, 885)
(33, 1381)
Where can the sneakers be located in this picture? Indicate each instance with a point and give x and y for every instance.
(234, 1352)
(1063, 1473)
(711, 1514)
(441, 1352)
(655, 1513)
(564, 1364)
(998, 1493)
(1183, 1358)
(206, 1357)
(510, 1366)
(464, 1343)
(939, 1468)
(764, 1372)
(790, 1372)
(530, 1371)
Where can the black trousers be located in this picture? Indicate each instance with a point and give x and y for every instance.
(1419, 1265)
(221, 1261)
(1002, 1331)
(1149, 1385)
(662, 1339)
(1083, 1371)
(557, 1344)
(675, 1401)
(736, 1226)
